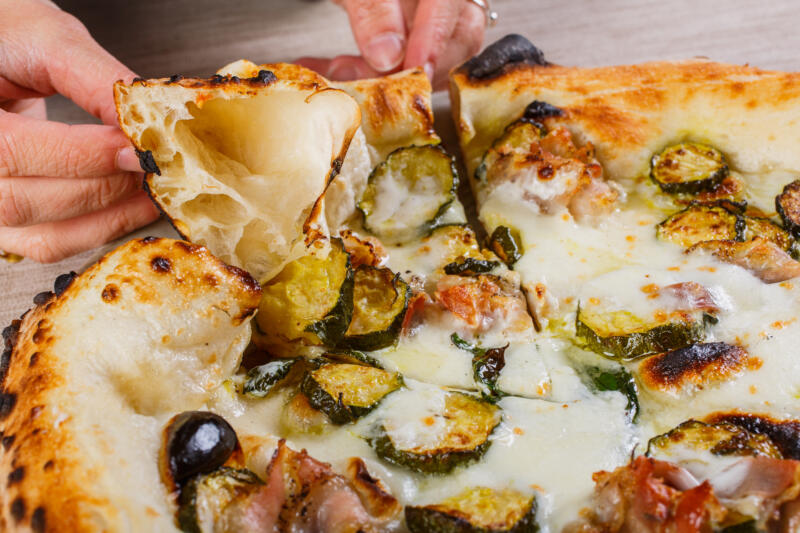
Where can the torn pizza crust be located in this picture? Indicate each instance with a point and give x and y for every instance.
(240, 164)
(94, 370)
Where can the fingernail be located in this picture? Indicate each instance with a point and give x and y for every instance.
(127, 160)
(343, 72)
(428, 68)
(384, 51)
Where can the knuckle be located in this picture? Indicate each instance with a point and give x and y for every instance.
(12, 208)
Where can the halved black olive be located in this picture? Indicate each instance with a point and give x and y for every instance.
(198, 442)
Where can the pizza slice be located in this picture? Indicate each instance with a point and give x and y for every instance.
(650, 208)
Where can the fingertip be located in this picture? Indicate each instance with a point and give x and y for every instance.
(385, 51)
(128, 160)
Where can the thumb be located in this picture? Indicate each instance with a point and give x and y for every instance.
(379, 29)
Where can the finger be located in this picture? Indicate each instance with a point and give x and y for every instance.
(379, 31)
(340, 68)
(465, 42)
(28, 201)
(57, 53)
(30, 147)
(30, 107)
(434, 23)
(54, 241)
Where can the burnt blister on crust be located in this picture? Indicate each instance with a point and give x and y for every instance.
(511, 49)
(42, 297)
(63, 282)
(147, 162)
(538, 111)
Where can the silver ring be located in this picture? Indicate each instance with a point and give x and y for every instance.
(486, 6)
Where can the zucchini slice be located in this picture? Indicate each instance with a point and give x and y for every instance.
(262, 379)
(622, 335)
(769, 230)
(206, 496)
(353, 357)
(702, 222)
(462, 437)
(515, 142)
(787, 203)
(506, 243)
(487, 363)
(718, 439)
(688, 168)
(380, 300)
(477, 510)
(618, 379)
(347, 392)
(408, 193)
(310, 300)
(470, 266)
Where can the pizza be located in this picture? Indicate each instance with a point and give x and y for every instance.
(335, 346)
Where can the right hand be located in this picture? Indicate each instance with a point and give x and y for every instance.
(63, 188)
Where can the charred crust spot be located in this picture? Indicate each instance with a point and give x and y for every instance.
(18, 509)
(785, 434)
(160, 264)
(538, 110)
(147, 162)
(424, 111)
(137, 79)
(38, 522)
(244, 278)
(48, 465)
(42, 298)
(34, 358)
(150, 239)
(508, 50)
(211, 280)
(63, 282)
(7, 402)
(217, 78)
(175, 78)
(264, 77)
(16, 475)
(8, 441)
(110, 293)
(336, 167)
(35, 410)
(702, 362)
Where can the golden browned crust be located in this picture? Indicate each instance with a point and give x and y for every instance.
(54, 483)
(630, 112)
(395, 110)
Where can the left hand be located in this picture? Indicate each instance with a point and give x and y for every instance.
(399, 34)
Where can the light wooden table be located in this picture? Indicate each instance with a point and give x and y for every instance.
(194, 37)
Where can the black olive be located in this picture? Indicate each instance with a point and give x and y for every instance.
(198, 442)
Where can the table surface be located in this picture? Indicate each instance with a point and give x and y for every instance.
(194, 37)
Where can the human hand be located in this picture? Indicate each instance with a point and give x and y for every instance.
(63, 188)
(395, 34)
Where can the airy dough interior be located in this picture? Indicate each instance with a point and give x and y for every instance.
(241, 166)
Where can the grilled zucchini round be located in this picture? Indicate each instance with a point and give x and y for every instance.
(463, 437)
(310, 300)
(476, 510)
(346, 392)
(702, 222)
(718, 439)
(515, 141)
(688, 168)
(408, 193)
(380, 300)
(769, 230)
(787, 203)
(205, 497)
(622, 335)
